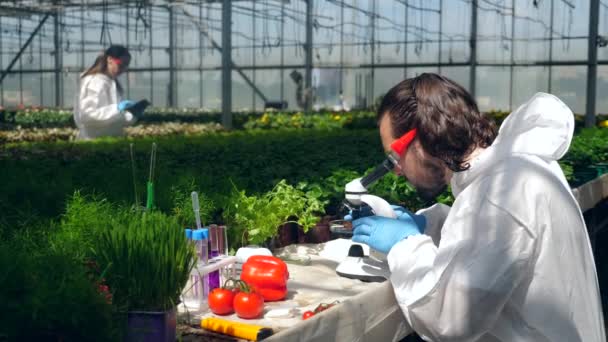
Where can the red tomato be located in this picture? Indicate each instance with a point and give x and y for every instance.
(307, 314)
(248, 305)
(221, 301)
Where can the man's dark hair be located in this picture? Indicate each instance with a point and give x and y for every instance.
(446, 116)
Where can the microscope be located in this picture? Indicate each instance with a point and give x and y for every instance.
(357, 265)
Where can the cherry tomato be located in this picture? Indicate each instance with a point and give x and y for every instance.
(221, 301)
(248, 305)
(307, 314)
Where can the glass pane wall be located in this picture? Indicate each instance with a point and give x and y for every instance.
(501, 50)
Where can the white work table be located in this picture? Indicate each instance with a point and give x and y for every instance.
(366, 311)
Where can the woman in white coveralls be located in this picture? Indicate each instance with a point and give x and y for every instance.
(99, 109)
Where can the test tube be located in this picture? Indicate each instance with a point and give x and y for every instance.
(200, 237)
(226, 272)
(205, 261)
(224, 240)
(214, 277)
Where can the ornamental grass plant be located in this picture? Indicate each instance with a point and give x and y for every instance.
(146, 259)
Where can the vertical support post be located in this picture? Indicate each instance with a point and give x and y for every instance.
(58, 61)
(172, 53)
(373, 51)
(308, 59)
(594, 10)
(473, 46)
(41, 74)
(440, 34)
(550, 80)
(405, 45)
(282, 51)
(82, 41)
(512, 54)
(1, 68)
(200, 54)
(253, 44)
(127, 31)
(151, 49)
(21, 64)
(227, 64)
(342, 49)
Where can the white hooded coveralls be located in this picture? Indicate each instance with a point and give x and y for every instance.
(511, 260)
(96, 111)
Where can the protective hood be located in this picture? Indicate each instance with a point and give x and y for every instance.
(542, 127)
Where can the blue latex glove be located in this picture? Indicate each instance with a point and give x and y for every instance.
(125, 104)
(382, 233)
(402, 214)
(366, 211)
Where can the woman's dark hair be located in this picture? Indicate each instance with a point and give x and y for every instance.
(446, 116)
(101, 62)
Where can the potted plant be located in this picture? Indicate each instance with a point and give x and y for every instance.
(259, 217)
(147, 262)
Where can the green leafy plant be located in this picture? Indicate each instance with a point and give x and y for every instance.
(260, 216)
(44, 117)
(147, 260)
(326, 120)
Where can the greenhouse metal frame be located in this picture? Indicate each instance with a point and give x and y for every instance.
(247, 55)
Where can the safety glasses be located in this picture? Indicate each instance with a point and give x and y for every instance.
(120, 62)
(399, 147)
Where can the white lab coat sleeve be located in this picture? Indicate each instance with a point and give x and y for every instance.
(96, 106)
(435, 216)
(456, 291)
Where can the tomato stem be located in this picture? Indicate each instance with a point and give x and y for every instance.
(243, 286)
(233, 283)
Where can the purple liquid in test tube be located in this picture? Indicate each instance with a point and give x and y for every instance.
(214, 277)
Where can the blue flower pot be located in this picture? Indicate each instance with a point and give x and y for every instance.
(151, 326)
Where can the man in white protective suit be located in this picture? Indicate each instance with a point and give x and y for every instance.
(511, 259)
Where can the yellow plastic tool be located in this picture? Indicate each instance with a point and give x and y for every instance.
(236, 329)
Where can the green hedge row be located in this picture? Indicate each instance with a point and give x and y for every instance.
(51, 117)
(38, 177)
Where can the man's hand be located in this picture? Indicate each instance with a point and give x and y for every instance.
(402, 214)
(382, 233)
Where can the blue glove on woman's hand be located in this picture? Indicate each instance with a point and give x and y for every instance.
(125, 104)
(382, 233)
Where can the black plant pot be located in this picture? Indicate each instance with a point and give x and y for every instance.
(288, 234)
